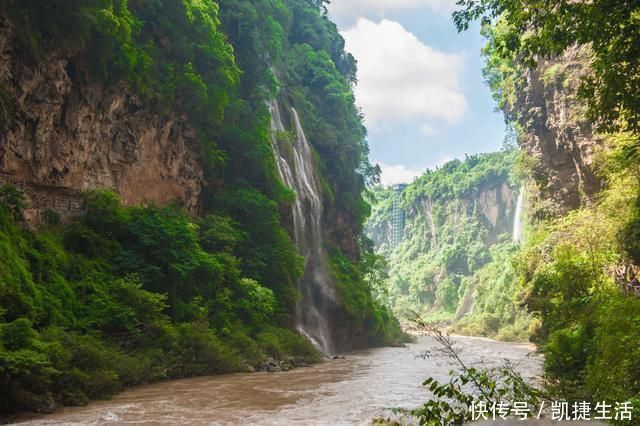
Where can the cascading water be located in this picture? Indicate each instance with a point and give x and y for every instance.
(517, 218)
(296, 169)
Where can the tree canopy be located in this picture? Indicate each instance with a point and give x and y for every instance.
(610, 28)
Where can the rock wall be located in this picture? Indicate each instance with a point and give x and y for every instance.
(493, 204)
(556, 132)
(497, 204)
(340, 231)
(64, 132)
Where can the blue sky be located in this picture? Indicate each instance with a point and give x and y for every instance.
(420, 84)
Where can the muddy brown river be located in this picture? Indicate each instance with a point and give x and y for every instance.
(351, 391)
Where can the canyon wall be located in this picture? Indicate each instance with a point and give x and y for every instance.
(492, 205)
(450, 220)
(63, 134)
(556, 133)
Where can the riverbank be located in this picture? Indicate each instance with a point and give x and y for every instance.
(283, 363)
(269, 366)
(364, 385)
(453, 328)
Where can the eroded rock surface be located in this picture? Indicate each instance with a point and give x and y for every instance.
(556, 131)
(64, 132)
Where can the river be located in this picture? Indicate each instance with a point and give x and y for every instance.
(344, 391)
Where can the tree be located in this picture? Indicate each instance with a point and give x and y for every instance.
(611, 28)
(13, 199)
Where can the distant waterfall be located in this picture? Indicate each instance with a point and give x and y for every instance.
(296, 169)
(517, 217)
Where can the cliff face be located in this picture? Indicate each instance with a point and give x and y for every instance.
(492, 206)
(340, 231)
(166, 101)
(556, 132)
(496, 204)
(64, 134)
(440, 231)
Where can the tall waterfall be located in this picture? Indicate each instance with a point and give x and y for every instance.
(296, 169)
(517, 218)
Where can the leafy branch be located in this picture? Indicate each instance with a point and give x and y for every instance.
(453, 401)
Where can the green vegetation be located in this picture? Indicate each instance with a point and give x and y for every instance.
(174, 53)
(502, 71)
(454, 264)
(299, 49)
(497, 306)
(127, 295)
(586, 326)
(459, 179)
(383, 327)
(219, 63)
(534, 28)
(471, 391)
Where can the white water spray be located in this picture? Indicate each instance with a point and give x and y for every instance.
(296, 169)
(517, 218)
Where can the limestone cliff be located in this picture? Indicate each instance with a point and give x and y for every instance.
(555, 131)
(492, 205)
(439, 231)
(64, 134)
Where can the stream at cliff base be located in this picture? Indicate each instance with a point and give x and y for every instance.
(341, 391)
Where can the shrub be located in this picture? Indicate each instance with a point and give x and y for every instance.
(200, 352)
(51, 217)
(12, 199)
(278, 343)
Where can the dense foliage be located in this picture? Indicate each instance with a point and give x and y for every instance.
(453, 264)
(299, 49)
(460, 179)
(609, 27)
(586, 323)
(125, 296)
(128, 295)
(219, 63)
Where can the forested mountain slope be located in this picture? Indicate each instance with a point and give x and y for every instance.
(565, 75)
(451, 259)
(145, 232)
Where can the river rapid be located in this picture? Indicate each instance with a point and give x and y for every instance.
(364, 385)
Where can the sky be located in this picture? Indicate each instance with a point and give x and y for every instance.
(420, 84)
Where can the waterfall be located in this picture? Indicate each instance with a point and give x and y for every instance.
(296, 169)
(517, 218)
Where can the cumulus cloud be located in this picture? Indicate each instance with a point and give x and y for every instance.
(397, 173)
(400, 78)
(345, 12)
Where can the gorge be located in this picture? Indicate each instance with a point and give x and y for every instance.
(451, 263)
(187, 191)
(158, 219)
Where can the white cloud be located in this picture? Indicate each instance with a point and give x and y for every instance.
(401, 78)
(428, 130)
(398, 173)
(345, 12)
